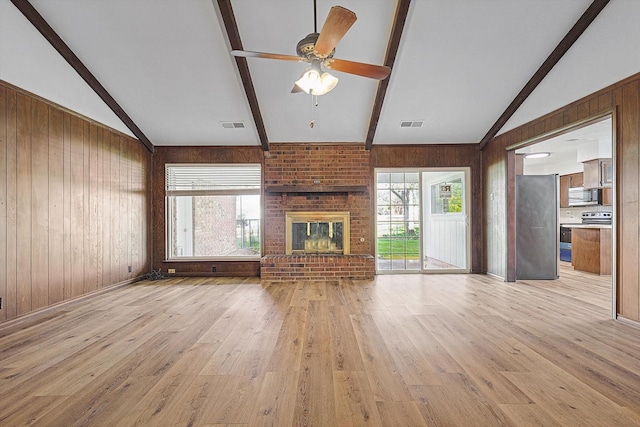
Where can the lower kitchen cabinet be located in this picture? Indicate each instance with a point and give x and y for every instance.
(591, 250)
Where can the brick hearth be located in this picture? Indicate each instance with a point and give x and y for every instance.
(316, 267)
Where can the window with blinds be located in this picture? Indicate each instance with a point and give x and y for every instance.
(213, 211)
(195, 179)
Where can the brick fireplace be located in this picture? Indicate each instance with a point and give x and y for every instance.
(319, 182)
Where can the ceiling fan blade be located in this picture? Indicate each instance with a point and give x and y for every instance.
(296, 89)
(335, 27)
(250, 54)
(379, 72)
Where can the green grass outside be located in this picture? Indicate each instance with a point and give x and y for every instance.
(399, 247)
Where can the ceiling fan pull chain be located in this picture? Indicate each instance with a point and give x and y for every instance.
(312, 123)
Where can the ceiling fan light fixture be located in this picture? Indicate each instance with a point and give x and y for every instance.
(315, 81)
(327, 83)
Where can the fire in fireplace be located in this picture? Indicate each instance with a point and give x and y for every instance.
(317, 233)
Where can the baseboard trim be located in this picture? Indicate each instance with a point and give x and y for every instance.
(38, 314)
(632, 323)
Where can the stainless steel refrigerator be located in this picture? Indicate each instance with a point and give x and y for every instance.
(537, 227)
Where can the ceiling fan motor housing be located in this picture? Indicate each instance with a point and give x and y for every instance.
(306, 47)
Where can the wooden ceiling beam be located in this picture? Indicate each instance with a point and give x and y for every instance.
(229, 19)
(574, 33)
(399, 20)
(58, 44)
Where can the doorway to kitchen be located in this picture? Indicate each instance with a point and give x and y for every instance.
(422, 220)
(582, 158)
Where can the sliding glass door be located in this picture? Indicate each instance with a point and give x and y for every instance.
(421, 220)
(398, 221)
(446, 222)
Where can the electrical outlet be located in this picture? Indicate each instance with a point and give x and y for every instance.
(213, 269)
(171, 271)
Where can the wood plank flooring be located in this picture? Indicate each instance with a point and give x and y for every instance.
(402, 350)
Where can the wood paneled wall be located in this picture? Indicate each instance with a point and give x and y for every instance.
(424, 156)
(74, 205)
(623, 98)
(164, 155)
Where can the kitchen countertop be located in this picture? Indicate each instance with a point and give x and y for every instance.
(586, 225)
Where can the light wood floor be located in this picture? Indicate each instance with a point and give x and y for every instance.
(445, 350)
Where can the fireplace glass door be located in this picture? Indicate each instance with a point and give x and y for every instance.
(317, 233)
(317, 237)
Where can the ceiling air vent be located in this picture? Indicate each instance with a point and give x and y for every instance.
(233, 125)
(411, 123)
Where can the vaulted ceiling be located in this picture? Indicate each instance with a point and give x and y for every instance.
(456, 66)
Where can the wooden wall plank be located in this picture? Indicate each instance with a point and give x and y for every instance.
(136, 221)
(56, 206)
(583, 110)
(3, 202)
(39, 205)
(77, 206)
(23, 206)
(124, 204)
(555, 121)
(605, 101)
(147, 169)
(126, 219)
(99, 203)
(86, 217)
(106, 207)
(115, 201)
(629, 202)
(12, 205)
(91, 276)
(67, 207)
(594, 106)
(570, 115)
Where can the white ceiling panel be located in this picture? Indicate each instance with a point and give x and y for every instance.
(462, 62)
(607, 52)
(459, 65)
(28, 61)
(163, 61)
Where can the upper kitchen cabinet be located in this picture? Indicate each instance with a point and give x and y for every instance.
(598, 173)
(566, 182)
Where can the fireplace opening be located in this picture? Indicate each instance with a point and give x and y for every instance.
(317, 233)
(317, 237)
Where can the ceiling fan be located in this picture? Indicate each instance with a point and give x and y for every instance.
(317, 49)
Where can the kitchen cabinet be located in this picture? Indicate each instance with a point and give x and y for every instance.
(598, 173)
(607, 196)
(566, 182)
(591, 249)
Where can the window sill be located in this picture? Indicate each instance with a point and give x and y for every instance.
(216, 259)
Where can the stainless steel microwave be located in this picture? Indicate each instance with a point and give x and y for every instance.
(580, 196)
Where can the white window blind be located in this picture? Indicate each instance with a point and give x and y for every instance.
(216, 179)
